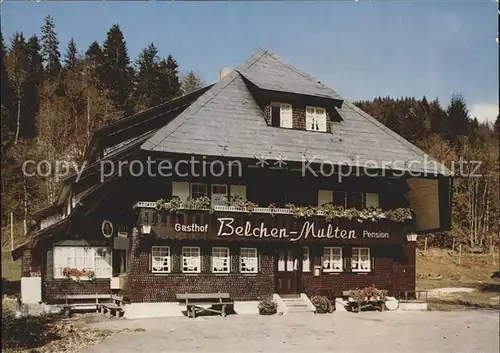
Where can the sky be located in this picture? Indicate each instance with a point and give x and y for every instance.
(362, 49)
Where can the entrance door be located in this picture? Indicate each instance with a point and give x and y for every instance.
(287, 272)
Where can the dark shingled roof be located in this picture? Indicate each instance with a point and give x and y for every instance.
(226, 120)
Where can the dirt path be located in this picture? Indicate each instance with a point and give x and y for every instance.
(454, 332)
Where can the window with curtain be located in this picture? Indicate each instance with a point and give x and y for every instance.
(248, 260)
(361, 261)
(191, 259)
(332, 260)
(220, 260)
(160, 259)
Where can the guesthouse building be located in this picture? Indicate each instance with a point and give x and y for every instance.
(266, 182)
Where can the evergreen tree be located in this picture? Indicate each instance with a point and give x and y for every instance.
(50, 48)
(496, 125)
(6, 89)
(17, 68)
(457, 122)
(170, 83)
(94, 62)
(117, 72)
(191, 83)
(437, 117)
(34, 79)
(70, 59)
(147, 89)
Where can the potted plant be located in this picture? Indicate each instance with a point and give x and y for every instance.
(322, 304)
(367, 297)
(267, 306)
(250, 206)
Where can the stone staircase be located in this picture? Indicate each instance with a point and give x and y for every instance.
(295, 303)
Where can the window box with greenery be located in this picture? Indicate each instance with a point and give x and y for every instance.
(328, 210)
(268, 306)
(78, 274)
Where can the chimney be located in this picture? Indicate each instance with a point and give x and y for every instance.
(224, 72)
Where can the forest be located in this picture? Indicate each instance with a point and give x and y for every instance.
(53, 100)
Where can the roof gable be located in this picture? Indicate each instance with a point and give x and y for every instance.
(268, 71)
(226, 121)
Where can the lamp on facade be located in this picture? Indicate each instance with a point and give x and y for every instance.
(145, 229)
(411, 236)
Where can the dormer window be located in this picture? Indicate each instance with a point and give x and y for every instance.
(281, 115)
(315, 119)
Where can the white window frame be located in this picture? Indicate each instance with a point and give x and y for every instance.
(244, 269)
(91, 260)
(215, 196)
(166, 259)
(334, 265)
(306, 259)
(318, 120)
(364, 265)
(224, 258)
(196, 259)
(191, 185)
(285, 108)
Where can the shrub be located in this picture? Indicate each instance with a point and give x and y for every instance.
(360, 295)
(322, 304)
(267, 306)
(27, 331)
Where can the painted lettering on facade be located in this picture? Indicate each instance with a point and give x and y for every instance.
(226, 228)
(375, 235)
(190, 228)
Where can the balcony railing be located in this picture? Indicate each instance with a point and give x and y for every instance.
(234, 209)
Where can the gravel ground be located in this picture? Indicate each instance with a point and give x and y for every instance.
(454, 332)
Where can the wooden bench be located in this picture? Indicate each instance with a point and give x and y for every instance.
(115, 306)
(76, 302)
(194, 301)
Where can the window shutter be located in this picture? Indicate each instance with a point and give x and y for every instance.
(239, 190)
(347, 259)
(286, 116)
(309, 118)
(324, 196)
(340, 198)
(372, 200)
(180, 189)
(50, 265)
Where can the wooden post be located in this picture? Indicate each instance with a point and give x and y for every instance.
(453, 245)
(12, 231)
(493, 254)
(459, 253)
(425, 246)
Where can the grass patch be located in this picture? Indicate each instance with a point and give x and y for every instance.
(11, 270)
(440, 269)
